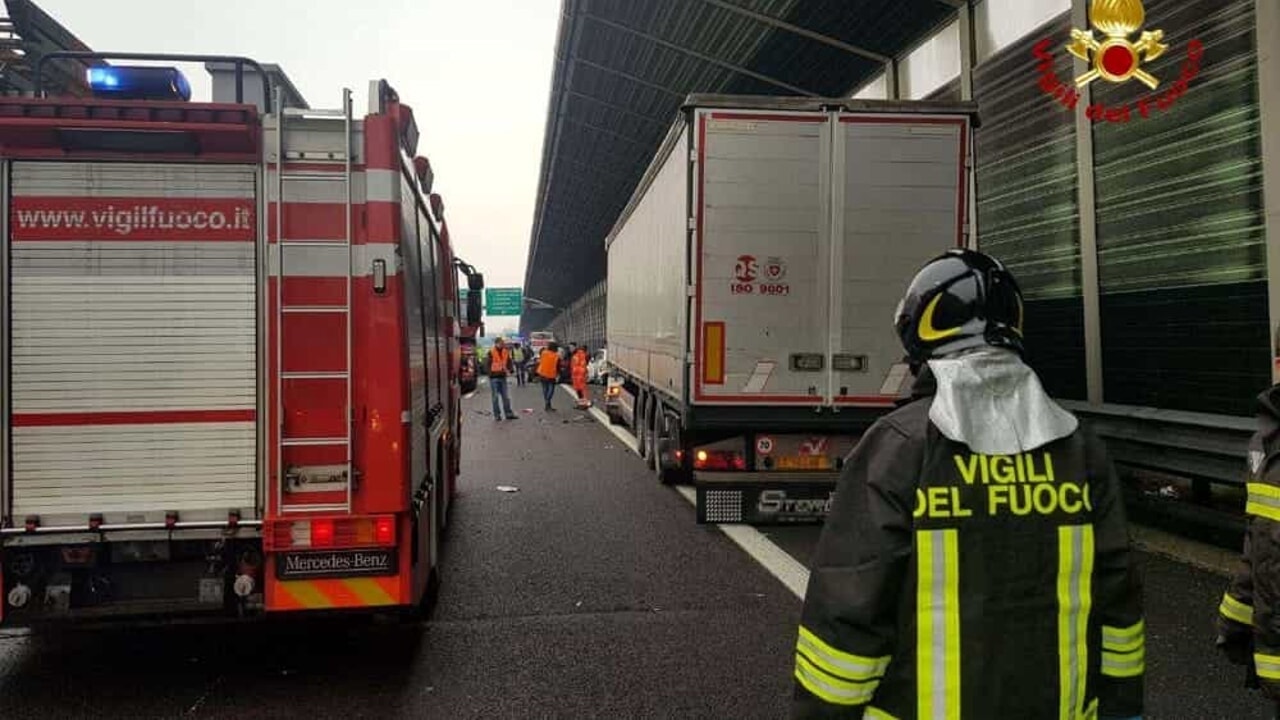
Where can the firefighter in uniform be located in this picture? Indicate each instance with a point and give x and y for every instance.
(1249, 615)
(975, 563)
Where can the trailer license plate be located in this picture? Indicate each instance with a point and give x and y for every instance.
(804, 462)
(338, 563)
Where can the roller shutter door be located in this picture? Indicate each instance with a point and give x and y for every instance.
(133, 324)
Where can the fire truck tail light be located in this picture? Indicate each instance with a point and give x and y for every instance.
(379, 276)
(322, 533)
(299, 534)
(386, 531)
(334, 532)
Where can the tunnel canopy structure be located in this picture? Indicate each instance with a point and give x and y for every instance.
(622, 69)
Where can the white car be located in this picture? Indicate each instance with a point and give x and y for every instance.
(597, 367)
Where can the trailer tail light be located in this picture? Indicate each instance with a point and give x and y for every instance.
(719, 460)
(333, 533)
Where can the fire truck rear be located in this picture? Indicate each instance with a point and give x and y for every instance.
(227, 350)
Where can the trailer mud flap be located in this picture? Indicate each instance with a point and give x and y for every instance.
(747, 498)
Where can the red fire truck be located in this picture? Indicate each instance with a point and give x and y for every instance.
(229, 351)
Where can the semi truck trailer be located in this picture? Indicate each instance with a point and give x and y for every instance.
(753, 278)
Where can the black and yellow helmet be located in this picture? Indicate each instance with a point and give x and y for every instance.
(959, 300)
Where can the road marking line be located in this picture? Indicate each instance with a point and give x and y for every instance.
(789, 571)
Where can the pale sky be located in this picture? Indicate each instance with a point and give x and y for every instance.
(477, 74)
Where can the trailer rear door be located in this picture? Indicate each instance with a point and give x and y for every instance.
(133, 370)
(900, 201)
(763, 244)
(808, 227)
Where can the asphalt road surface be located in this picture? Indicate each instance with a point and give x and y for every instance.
(589, 593)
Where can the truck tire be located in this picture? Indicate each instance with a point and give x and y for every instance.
(655, 421)
(669, 429)
(641, 422)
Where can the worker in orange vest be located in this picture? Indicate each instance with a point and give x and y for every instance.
(500, 365)
(549, 372)
(580, 376)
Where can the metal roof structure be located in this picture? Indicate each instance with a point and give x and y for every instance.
(27, 33)
(623, 69)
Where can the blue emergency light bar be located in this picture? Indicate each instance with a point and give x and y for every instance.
(139, 82)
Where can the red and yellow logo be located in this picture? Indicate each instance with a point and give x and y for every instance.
(1115, 58)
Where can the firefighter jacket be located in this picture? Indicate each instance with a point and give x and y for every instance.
(951, 585)
(1249, 615)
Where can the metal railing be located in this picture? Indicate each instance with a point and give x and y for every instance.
(1206, 451)
(1198, 446)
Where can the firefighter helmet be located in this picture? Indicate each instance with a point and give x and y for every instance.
(959, 300)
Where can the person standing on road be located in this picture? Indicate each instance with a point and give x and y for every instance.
(975, 563)
(580, 377)
(1248, 620)
(517, 364)
(500, 365)
(549, 373)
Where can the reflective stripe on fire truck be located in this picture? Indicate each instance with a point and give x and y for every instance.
(335, 593)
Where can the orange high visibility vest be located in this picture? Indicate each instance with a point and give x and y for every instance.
(548, 365)
(498, 361)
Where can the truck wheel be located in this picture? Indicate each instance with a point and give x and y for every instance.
(675, 475)
(642, 426)
(651, 432)
(655, 441)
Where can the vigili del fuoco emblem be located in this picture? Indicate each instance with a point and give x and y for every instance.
(1116, 58)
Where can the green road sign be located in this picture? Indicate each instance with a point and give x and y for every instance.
(503, 301)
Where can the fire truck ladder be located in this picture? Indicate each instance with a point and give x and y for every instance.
(316, 138)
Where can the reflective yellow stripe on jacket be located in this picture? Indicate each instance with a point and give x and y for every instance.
(1124, 650)
(938, 623)
(1268, 666)
(836, 676)
(1264, 501)
(1233, 609)
(1075, 600)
